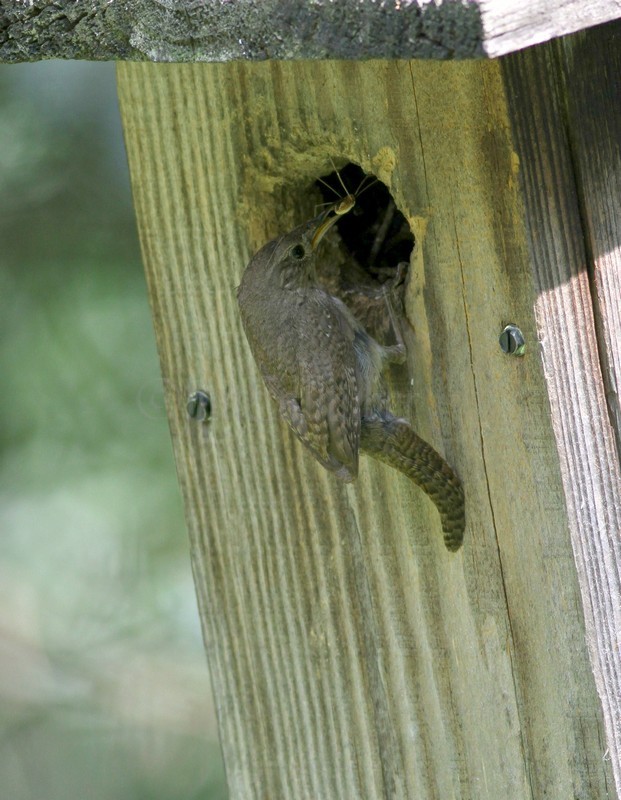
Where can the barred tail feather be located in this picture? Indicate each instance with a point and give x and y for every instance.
(392, 440)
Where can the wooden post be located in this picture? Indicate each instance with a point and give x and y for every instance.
(351, 654)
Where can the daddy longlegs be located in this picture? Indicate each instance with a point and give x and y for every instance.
(345, 204)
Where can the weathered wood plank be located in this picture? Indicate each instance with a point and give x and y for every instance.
(351, 655)
(187, 30)
(587, 444)
(512, 25)
(590, 67)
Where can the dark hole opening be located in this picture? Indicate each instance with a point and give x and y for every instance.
(375, 233)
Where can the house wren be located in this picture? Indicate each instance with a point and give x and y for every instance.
(324, 370)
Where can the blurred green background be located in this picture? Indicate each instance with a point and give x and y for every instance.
(103, 682)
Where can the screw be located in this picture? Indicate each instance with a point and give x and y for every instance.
(199, 406)
(512, 341)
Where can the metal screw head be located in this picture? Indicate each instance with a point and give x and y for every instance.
(199, 406)
(512, 341)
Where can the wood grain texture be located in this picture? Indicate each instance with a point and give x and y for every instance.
(511, 25)
(351, 654)
(589, 67)
(545, 83)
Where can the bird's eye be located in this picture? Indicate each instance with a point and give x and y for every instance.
(298, 252)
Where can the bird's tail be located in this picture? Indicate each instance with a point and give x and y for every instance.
(392, 440)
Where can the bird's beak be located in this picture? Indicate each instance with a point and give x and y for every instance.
(322, 227)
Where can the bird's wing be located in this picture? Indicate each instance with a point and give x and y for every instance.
(329, 403)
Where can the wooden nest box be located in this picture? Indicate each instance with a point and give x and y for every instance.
(351, 655)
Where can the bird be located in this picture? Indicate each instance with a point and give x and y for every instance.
(325, 372)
